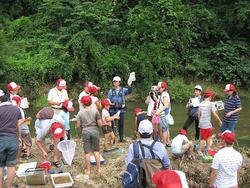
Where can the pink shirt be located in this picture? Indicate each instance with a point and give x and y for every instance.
(105, 114)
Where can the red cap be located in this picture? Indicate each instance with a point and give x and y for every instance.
(162, 85)
(167, 179)
(68, 105)
(93, 89)
(208, 93)
(16, 99)
(227, 136)
(137, 110)
(182, 131)
(57, 130)
(105, 102)
(13, 86)
(229, 87)
(61, 84)
(86, 100)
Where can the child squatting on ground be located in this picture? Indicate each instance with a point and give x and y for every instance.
(205, 109)
(109, 136)
(89, 119)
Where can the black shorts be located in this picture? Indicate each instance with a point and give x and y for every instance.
(106, 129)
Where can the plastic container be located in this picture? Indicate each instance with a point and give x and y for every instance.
(45, 165)
(35, 176)
(62, 180)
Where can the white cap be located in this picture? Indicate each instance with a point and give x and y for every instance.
(145, 126)
(198, 87)
(1, 93)
(117, 78)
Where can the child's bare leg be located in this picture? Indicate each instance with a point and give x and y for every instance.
(87, 163)
(97, 158)
(164, 137)
(155, 130)
(106, 137)
(28, 149)
(160, 132)
(191, 149)
(168, 137)
(112, 139)
(208, 142)
(202, 142)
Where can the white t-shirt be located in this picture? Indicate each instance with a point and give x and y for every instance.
(205, 109)
(83, 93)
(151, 104)
(177, 143)
(25, 128)
(160, 101)
(105, 114)
(56, 95)
(227, 162)
(94, 100)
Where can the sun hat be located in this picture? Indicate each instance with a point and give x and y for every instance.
(137, 110)
(57, 130)
(117, 79)
(86, 100)
(68, 105)
(162, 85)
(16, 100)
(145, 126)
(227, 136)
(169, 179)
(1, 93)
(182, 132)
(13, 86)
(208, 93)
(105, 102)
(198, 87)
(229, 87)
(61, 84)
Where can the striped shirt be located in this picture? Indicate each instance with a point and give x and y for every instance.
(227, 162)
(232, 103)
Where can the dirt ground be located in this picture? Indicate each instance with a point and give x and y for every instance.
(197, 171)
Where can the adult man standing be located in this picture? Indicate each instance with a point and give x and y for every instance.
(10, 135)
(117, 97)
(226, 164)
(58, 95)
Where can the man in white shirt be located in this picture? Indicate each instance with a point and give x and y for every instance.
(180, 144)
(58, 95)
(226, 164)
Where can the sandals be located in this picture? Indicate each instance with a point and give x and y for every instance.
(57, 164)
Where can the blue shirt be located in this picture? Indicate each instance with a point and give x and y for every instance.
(158, 149)
(231, 103)
(65, 116)
(117, 96)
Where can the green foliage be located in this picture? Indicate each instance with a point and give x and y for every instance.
(41, 41)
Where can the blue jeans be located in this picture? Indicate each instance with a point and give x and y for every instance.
(164, 123)
(8, 150)
(228, 126)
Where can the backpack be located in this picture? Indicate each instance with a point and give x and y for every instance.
(140, 170)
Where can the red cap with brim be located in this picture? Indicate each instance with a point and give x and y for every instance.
(12, 86)
(17, 99)
(105, 102)
(227, 136)
(167, 179)
(182, 131)
(208, 93)
(57, 130)
(137, 110)
(86, 100)
(68, 105)
(61, 84)
(229, 87)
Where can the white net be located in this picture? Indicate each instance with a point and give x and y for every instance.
(67, 147)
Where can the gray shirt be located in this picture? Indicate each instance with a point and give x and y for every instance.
(88, 118)
(205, 109)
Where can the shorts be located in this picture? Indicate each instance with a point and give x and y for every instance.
(228, 126)
(156, 119)
(106, 129)
(164, 123)
(179, 151)
(8, 150)
(26, 140)
(206, 133)
(91, 140)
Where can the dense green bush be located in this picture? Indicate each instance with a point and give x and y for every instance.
(41, 41)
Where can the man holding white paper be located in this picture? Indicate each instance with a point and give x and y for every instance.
(117, 97)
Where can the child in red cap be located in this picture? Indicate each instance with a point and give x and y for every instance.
(109, 136)
(205, 109)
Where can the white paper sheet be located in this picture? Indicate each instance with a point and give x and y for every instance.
(132, 77)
